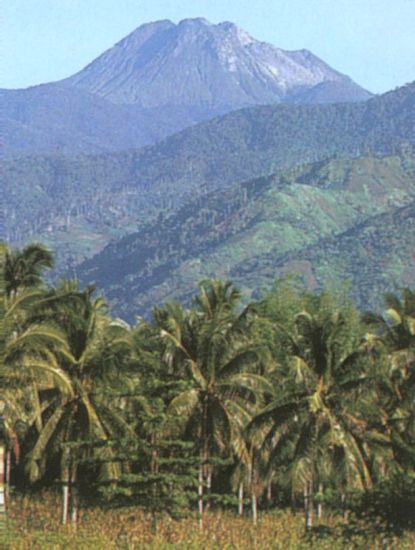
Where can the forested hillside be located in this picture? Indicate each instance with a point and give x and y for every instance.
(337, 220)
(92, 199)
(62, 120)
(371, 258)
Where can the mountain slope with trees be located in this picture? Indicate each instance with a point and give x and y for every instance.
(58, 119)
(61, 198)
(322, 221)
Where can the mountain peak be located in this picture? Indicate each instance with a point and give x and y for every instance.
(194, 21)
(198, 64)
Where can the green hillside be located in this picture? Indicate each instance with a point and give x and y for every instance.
(323, 221)
(375, 257)
(78, 204)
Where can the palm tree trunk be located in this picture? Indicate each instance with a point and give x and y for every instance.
(203, 462)
(65, 495)
(345, 510)
(8, 471)
(241, 498)
(74, 498)
(200, 496)
(254, 500)
(208, 485)
(320, 504)
(209, 479)
(254, 503)
(2, 493)
(154, 470)
(308, 506)
(269, 492)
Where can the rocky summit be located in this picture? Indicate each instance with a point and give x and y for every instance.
(196, 63)
(157, 81)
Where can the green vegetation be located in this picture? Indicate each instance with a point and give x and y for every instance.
(199, 413)
(337, 220)
(78, 204)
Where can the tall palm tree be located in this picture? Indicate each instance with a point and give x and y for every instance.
(95, 348)
(395, 329)
(212, 344)
(25, 268)
(27, 352)
(26, 343)
(317, 414)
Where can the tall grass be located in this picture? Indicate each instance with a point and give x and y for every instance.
(34, 524)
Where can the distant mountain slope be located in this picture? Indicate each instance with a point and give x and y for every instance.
(158, 80)
(102, 197)
(55, 118)
(314, 220)
(374, 257)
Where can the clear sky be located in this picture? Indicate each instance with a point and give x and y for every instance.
(373, 41)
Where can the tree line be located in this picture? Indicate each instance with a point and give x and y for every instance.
(297, 396)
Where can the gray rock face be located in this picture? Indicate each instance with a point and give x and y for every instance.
(196, 63)
(159, 80)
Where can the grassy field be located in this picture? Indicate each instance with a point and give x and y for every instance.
(34, 524)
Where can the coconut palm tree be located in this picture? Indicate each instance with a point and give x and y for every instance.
(26, 344)
(212, 344)
(27, 354)
(96, 346)
(25, 268)
(317, 413)
(395, 330)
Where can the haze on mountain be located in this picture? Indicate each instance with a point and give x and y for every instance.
(160, 79)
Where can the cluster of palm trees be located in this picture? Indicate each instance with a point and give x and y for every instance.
(297, 391)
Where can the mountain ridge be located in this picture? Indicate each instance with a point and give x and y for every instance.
(299, 221)
(110, 195)
(158, 80)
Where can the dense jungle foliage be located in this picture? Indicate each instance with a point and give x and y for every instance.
(295, 399)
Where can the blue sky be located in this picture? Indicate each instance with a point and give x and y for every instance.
(373, 41)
